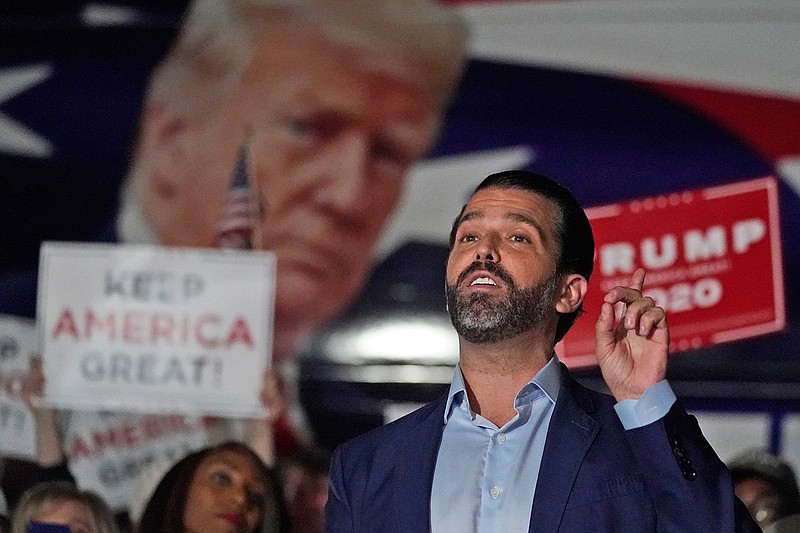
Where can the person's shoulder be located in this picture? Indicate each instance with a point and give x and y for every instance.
(392, 455)
(387, 437)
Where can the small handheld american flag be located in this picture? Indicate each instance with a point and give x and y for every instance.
(237, 226)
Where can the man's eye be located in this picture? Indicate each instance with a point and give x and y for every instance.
(387, 162)
(386, 152)
(468, 237)
(519, 238)
(382, 151)
(299, 126)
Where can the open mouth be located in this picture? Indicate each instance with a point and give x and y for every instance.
(484, 275)
(481, 279)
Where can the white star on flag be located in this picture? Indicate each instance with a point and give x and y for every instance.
(15, 138)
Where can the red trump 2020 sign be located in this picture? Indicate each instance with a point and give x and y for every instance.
(713, 262)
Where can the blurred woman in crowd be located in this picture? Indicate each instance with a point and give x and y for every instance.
(219, 489)
(62, 503)
(234, 464)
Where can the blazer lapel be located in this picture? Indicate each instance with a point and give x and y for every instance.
(569, 436)
(414, 469)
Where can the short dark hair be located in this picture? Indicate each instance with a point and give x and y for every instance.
(164, 510)
(572, 228)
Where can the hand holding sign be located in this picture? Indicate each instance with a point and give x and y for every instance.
(48, 443)
(17, 342)
(259, 433)
(632, 354)
(271, 396)
(33, 387)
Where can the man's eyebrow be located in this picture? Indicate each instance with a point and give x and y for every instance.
(525, 219)
(513, 217)
(470, 215)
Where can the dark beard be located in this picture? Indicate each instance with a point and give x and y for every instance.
(482, 318)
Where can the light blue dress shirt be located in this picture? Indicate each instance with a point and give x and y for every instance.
(485, 476)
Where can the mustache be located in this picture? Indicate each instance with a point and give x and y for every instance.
(491, 268)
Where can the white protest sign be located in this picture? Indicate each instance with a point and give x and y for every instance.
(17, 430)
(151, 329)
(106, 451)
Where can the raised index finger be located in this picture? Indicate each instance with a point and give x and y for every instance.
(628, 294)
(637, 279)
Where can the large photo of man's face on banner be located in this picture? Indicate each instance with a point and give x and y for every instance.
(331, 102)
(314, 110)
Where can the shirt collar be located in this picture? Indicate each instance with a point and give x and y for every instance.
(548, 380)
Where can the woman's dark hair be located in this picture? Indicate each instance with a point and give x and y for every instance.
(165, 509)
(573, 231)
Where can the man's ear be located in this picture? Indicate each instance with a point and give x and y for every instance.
(573, 291)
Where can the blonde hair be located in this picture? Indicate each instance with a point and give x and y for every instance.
(218, 37)
(40, 498)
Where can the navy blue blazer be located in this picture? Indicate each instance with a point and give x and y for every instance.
(594, 477)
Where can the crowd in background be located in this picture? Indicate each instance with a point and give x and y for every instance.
(243, 485)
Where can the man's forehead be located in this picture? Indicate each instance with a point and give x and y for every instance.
(510, 199)
(514, 205)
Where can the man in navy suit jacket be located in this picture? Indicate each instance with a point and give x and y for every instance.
(517, 445)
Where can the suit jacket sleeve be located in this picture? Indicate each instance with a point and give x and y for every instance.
(688, 482)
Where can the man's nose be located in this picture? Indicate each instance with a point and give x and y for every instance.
(345, 188)
(488, 250)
